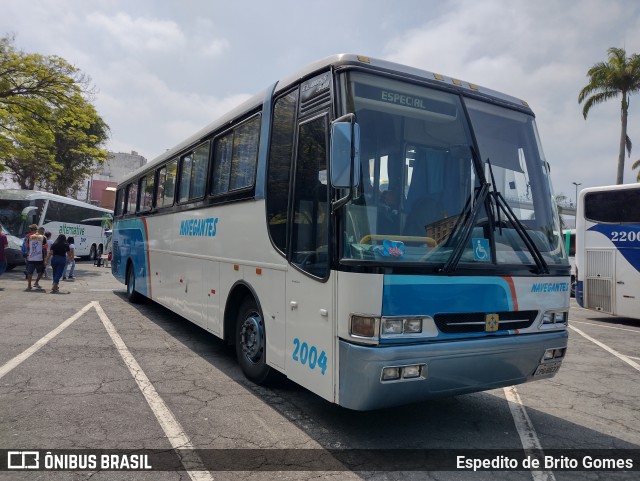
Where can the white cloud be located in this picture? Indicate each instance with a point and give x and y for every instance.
(139, 34)
(214, 48)
(538, 51)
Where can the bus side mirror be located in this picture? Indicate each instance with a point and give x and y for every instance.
(345, 154)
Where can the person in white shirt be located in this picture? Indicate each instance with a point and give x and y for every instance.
(35, 259)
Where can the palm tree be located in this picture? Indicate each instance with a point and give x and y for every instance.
(635, 165)
(619, 76)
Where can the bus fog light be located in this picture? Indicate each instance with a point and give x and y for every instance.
(412, 326)
(363, 326)
(409, 372)
(549, 354)
(390, 373)
(392, 326)
(558, 353)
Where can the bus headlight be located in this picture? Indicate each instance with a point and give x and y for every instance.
(391, 326)
(400, 326)
(555, 319)
(412, 326)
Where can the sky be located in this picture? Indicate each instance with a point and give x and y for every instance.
(164, 69)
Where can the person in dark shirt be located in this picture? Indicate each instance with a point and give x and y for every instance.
(58, 253)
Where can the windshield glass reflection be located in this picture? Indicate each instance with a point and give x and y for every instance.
(418, 180)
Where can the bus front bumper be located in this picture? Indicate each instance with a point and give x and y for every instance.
(447, 368)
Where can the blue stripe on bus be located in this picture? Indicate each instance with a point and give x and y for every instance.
(626, 239)
(131, 245)
(429, 295)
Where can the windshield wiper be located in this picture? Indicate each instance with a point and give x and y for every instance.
(496, 204)
(465, 223)
(496, 199)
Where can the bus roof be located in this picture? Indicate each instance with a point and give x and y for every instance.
(337, 62)
(22, 194)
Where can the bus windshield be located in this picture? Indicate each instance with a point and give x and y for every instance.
(419, 179)
(17, 214)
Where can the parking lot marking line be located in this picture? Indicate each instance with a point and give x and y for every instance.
(168, 422)
(637, 331)
(526, 431)
(23, 356)
(620, 356)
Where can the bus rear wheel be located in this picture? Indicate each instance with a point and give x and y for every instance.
(251, 344)
(92, 253)
(134, 296)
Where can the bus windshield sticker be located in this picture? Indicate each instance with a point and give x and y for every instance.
(481, 250)
(390, 248)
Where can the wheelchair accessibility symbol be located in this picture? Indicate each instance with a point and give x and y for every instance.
(481, 250)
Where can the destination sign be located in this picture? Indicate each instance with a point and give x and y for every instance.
(404, 99)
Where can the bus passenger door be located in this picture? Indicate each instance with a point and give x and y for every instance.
(310, 319)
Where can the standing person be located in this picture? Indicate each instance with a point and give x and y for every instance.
(58, 253)
(25, 246)
(44, 251)
(47, 236)
(71, 259)
(35, 261)
(3, 259)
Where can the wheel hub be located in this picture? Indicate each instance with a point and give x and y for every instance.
(251, 337)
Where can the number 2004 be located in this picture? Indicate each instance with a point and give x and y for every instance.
(309, 356)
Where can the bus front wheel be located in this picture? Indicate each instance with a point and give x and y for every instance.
(134, 296)
(251, 343)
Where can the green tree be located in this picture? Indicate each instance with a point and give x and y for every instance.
(50, 133)
(619, 76)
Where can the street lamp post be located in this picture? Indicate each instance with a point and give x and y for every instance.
(577, 184)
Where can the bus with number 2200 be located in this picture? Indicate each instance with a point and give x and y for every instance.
(608, 249)
(376, 233)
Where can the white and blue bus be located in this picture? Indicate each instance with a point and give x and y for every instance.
(348, 228)
(608, 249)
(86, 223)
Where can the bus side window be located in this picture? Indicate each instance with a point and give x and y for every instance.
(279, 169)
(132, 197)
(120, 197)
(310, 233)
(186, 168)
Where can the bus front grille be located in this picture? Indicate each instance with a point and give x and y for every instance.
(456, 323)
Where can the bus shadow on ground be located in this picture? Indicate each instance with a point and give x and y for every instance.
(614, 320)
(478, 421)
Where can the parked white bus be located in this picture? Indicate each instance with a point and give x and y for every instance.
(608, 249)
(348, 229)
(84, 222)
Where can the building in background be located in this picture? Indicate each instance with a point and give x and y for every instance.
(102, 185)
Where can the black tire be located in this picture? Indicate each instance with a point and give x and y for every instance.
(134, 296)
(100, 251)
(92, 252)
(250, 343)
